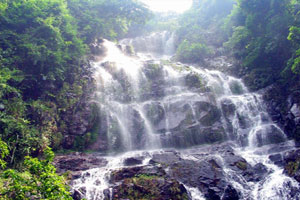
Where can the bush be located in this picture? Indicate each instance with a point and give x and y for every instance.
(192, 52)
(38, 181)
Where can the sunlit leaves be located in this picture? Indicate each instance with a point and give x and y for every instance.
(39, 181)
(191, 52)
(3, 153)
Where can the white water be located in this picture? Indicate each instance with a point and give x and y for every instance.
(250, 124)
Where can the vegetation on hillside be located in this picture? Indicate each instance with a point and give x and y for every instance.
(44, 46)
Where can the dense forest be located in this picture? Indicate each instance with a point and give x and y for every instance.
(46, 76)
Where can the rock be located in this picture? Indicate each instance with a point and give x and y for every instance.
(78, 162)
(206, 113)
(97, 48)
(258, 172)
(193, 81)
(269, 134)
(206, 176)
(166, 158)
(77, 195)
(129, 50)
(68, 141)
(193, 135)
(237, 163)
(295, 110)
(230, 194)
(153, 85)
(146, 183)
(236, 87)
(277, 159)
(156, 113)
(292, 164)
(107, 195)
(228, 108)
(133, 161)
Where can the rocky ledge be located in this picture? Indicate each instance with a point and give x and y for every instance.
(76, 163)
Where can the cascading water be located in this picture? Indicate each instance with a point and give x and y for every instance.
(149, 104)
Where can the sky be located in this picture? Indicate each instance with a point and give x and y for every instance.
(168, 5)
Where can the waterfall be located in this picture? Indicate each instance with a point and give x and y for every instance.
(153, 104)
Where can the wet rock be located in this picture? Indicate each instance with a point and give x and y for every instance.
(137, 128)
(78, 162)
(146, 183)
(97, 48)
(133, 161)
(153, 86)
(180, 115)
(77, 195)
(236, 87)
(277, 159)
(269, 135)
(292, 164)
(228, 108)
(206, 113)
(258, 172)
(230, 194)
(206, 176)
(238, 163)
(107, 194)
(284, 110)
(193, 81)
(295, 110)
(166, 158)
(128, 50)
(193, 135)
(155, 112)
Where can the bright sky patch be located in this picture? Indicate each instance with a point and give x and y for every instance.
(178, 6)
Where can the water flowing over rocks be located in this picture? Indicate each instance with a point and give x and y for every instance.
(173, 131)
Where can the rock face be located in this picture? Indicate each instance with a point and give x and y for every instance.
(284, 110)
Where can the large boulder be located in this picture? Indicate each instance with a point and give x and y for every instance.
(148, 182)
(292, 164)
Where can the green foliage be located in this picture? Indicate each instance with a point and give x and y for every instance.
(192, 52)
(259, 39)
(107, 18)
(239, 39)
(201, 26)
(3, 153)
(39, 181)
(21, 138)
(294, 36)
